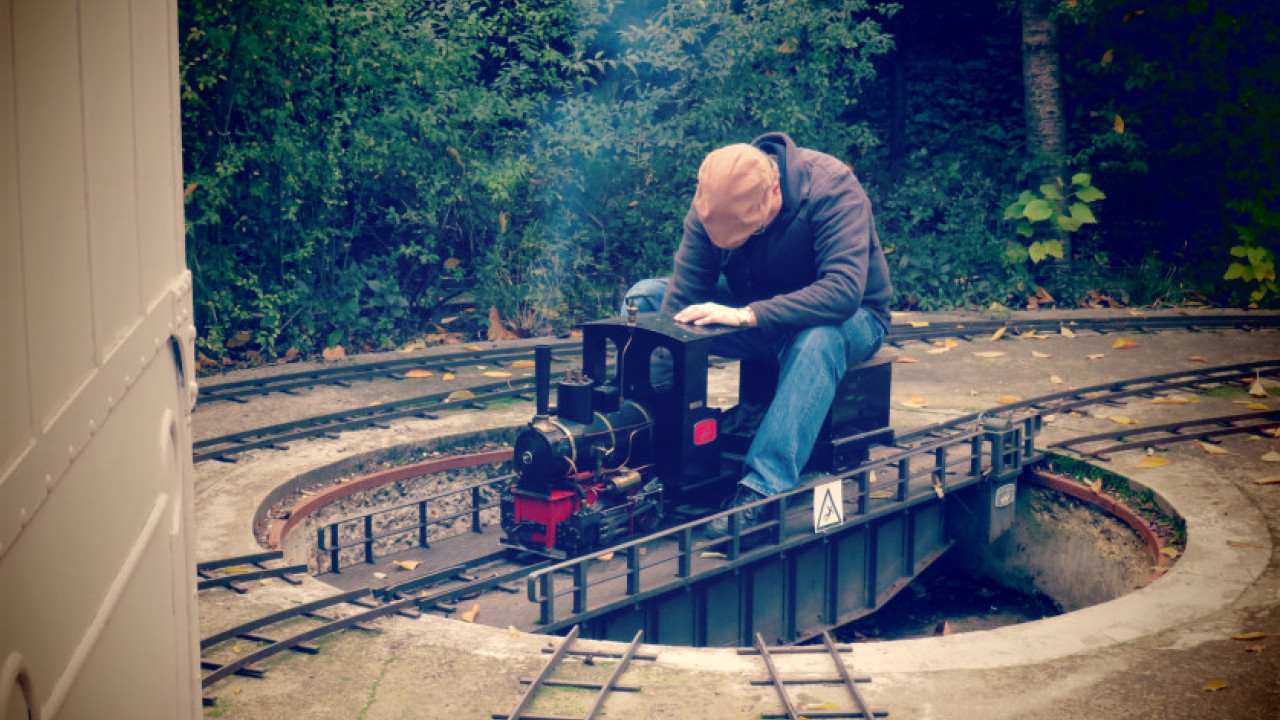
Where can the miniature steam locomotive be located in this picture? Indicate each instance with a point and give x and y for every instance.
(623, 449)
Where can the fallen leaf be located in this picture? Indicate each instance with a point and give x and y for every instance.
(1256, 406)
(997, 334)
(906, 360)
(1122, 420)
(407, 564)
(497, 374)
(1050, 418)
(1249, 636)
(237, 649)
(1268, 481)
(472, 348)
(1055, 380)
(1211, 448)
(1197, 358)
(460, 395)
(1213, 685)
(1096, 486)
(1272, 431)
(514, 632)
(447, 376)
(1008, 399)
(605, 557)
(1256, 388)
(1152, 462)
(714, 555)
(1066, 332)
(917, 401)
(418, 373)
(919, 323)
(1272, 456)
(380, 575)
(1038, 354)
(822, 706)
(881, 495)
(1170, 552)
(1095, 356)
(938, 350)
(523, 364)
(334, 353)
(446, 321)
(947, 343)
(470, 615)
(1123, 344)
(989, 354)
(1174, 400)
(1242, 544)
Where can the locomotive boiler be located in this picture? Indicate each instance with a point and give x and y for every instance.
(631, 440)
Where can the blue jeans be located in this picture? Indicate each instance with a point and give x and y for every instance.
(811, 364)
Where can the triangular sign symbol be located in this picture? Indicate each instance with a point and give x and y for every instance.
(828, 514)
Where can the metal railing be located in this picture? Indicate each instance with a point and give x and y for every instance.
(416, 529)
(994, 450)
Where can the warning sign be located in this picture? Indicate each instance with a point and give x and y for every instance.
(828, 506)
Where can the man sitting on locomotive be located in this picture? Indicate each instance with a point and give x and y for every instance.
(779, 239)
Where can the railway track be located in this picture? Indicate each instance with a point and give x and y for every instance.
(565, 350)
(841, 677)
(227, 447)
(441, 590)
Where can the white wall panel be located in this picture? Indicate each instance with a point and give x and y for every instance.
(109, 169)
(52, 206)
(158, 188)
(15, 398)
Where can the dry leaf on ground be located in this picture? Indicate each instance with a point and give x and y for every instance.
(1211, 448)
(1095, 356)
(1066, 332)
(470, 615)
(497, 374)
(906, 360)
(1197, 358)
(523, 364)
(418, 373)
(1122, 420)
(460, 395)
(915, 401)
(1268, 481)
(997, 334)
(447, 376)
(1055, 380)
(989, 354)
(1040, 355)
(1152, 462)
(1249, 636)
(1008, 399)
(1272, 456)
(1213, 685)
(1174, 400)
(1123, 344)
(1256, 388)
(407, 564)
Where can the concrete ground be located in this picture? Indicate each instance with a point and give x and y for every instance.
(1167, 650)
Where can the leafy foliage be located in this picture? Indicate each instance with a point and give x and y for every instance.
(1055, 206)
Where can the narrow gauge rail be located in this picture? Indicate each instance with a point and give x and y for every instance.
(226, 447)
(234, 579)
(1204, 429)
(545, 679)
(841, 677)
(436, 591)
(240, 390)
(462, 580)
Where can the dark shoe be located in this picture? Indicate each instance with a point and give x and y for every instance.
(743, 419)
(747, 519)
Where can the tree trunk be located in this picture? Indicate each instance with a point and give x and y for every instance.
(1042, 83)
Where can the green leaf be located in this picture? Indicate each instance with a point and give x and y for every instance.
(1089, 193)
(1082, 214)
(1070, 224)
(335, 337)
(1054, 248)
(1036, 251)
(1025, 229)
(1014, 210)
(1026, 197)
(1239, 251)
(1050, 191)
(1037, 210)
(1081, 179)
